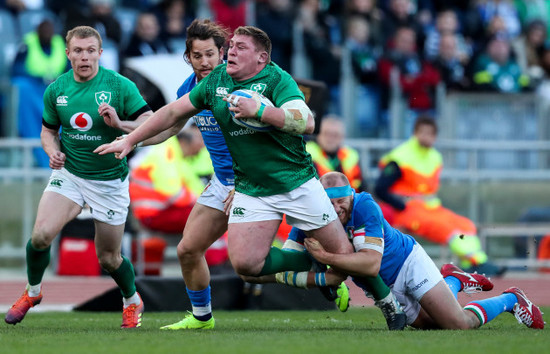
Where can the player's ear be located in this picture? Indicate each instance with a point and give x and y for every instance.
(263, 58)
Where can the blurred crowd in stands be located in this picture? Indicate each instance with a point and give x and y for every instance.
(466, 45)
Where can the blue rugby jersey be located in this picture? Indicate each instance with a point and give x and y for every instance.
(367, 222)
(213, 138)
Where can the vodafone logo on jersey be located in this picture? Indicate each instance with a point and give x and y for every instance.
(81, 121)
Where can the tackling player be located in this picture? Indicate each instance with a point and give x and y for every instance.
(429, 301)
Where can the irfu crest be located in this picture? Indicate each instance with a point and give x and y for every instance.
(102, 97)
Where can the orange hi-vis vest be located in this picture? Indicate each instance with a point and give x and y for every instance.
(420, 170)
(161, 180)
(349, 161)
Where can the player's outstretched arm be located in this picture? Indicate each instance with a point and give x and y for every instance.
(166, 117)
(111, 118)
(365, 262)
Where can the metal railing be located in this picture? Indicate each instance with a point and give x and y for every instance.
(18, 167)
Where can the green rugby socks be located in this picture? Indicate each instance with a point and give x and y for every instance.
(37, 262)
(125, 278)
(279, 260)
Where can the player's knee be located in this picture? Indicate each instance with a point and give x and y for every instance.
(41, 237)
(109, 261)
(188, 252)
(246, 267)
(458, 322)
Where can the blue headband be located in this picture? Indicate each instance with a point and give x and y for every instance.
(339, 192)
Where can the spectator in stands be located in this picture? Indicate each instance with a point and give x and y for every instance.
(505, 9)
(373, 15)
(527, 49)
(364, 59)
(543, 88)
(229, 13)
(146, 40)
(104, 21)
(446, 23)
(400, 14)
(97, 14)
(18, 6)
(449, 64)
(323, 48)
(529, 11)
(417, 78)
(275, 17)
(409, 182)
(330, 154)
(173, 19)
(496, 69)
(39, 61)
(166, 179)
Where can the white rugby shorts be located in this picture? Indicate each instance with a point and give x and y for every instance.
(108, 200)
(306, 207)
(214, 194)
(418, 275)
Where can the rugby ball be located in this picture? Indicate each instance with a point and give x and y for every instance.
(252, 123)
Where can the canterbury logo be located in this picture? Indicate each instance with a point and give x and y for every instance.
(222, 91)
(56, 182)
(62, 100)
(238, 211)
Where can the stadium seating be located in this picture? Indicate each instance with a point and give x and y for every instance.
(177, 45)
(127, 17)
(110, 58)
(8, 43)
(28, 20)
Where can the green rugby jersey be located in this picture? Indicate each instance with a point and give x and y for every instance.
(73, 106)
(265, 163)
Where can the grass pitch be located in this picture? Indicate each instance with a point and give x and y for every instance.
(360, 330)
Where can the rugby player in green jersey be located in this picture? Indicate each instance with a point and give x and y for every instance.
(274, 175)
(93, 106)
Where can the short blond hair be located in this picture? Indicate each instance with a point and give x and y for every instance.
(83, 32)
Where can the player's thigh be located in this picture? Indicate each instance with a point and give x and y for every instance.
(417, 276)
(61, 202)
(108, 238)
(253, 223)
(204, 226)
(441, 305)
(54, 211)
(251, 241)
